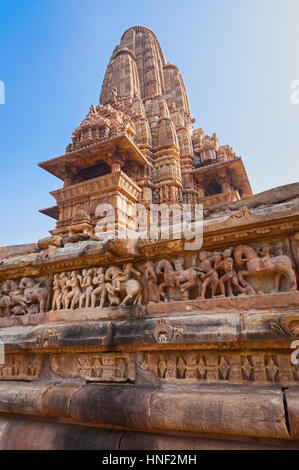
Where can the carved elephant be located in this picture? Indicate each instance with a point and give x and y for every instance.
(39, 295)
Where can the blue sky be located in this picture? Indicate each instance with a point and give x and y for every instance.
(237, 57)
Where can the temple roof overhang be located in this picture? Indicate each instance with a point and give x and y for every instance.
(94, 154)
(234, 170)
(51, 212)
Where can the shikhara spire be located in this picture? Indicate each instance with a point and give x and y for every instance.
(141, 130)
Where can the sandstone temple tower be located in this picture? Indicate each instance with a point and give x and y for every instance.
(123, 343)
(139, 144)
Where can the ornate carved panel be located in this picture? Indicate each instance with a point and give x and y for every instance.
(209, 366)
(21, 367)
(96, 367)
(24, 296)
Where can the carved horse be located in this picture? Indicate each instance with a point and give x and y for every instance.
(165, 268)
(131, 288)
(281, 265)
(174, 277)
(188, 278)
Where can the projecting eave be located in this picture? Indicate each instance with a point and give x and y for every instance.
(237, 172)
(51, 212)
(94, 154)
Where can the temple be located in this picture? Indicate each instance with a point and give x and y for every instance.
(139, 145)
(113, 342)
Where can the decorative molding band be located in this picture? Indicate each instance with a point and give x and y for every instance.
(96, 367)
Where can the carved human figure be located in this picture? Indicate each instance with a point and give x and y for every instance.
(170, 279)
(4, 304)
(56, 291)
(264, 252)
(230, 277)
(188, 278)
(74, 295)
(16, 295)
(208, 272)
(16, 367)
(100, 290)
(36, 368)
(150, 277)
(121, 283)
(87, 287)
(63, 291)
(125, 276)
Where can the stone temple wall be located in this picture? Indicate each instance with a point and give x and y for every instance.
(141, 345)
(112, 343)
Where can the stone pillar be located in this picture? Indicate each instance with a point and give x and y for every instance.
(116, 163)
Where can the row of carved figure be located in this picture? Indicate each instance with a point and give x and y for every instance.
(96, 287)
(195, 366)
(25, 296)
(21, 367)
(218, 273)
(211, 274)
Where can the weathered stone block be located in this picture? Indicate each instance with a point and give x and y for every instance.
(230, 411)
(56, 401)
(115, 405)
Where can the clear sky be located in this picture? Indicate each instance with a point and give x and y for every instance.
(238, 59)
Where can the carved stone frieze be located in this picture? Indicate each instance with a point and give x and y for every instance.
(234, 272)
(24, 296)
(242, 270)
(256, 367)
(21, 367)
(97, 287)
(96, 367)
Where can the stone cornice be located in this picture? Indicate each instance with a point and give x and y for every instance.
(241, 226)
